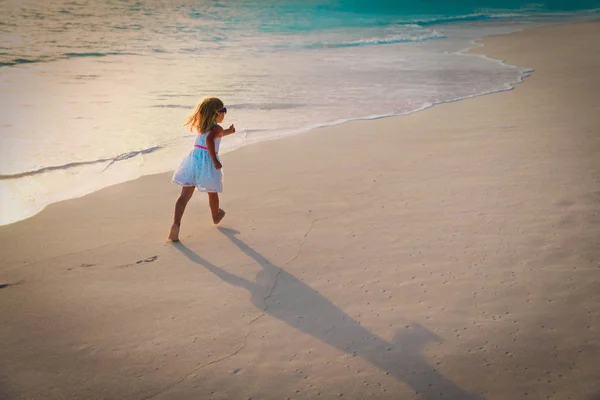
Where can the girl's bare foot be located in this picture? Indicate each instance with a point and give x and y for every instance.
(174, 234)
(220, 215)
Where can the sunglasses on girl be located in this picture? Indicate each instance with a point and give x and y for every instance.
(223, 110)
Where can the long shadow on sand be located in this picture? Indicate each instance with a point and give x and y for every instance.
(281, 295)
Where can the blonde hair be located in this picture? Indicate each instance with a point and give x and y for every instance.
(205, 115)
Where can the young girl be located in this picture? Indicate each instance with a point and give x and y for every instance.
(201, 169)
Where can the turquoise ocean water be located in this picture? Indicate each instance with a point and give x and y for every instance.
(94, 92)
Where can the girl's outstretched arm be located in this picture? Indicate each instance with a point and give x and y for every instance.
(215, 132)
(229, 130)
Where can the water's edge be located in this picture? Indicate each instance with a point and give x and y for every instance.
(475, 43)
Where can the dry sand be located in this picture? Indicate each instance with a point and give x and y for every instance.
(453, 253)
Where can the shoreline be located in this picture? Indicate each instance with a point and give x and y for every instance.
(448, 251)
(525, 71)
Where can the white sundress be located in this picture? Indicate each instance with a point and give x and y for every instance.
(197, 168)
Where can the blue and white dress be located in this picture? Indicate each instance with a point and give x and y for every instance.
(197, 168)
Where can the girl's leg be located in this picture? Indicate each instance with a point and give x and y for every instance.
(217, 213)
(186, 194)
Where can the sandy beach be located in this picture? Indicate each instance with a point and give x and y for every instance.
(453, 253)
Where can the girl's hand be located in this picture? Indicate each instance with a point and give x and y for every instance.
(217, 164)
(230, 130)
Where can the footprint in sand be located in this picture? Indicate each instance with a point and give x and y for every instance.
(139, 262)
(147, 260)
(82, 266)
(6, 285)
